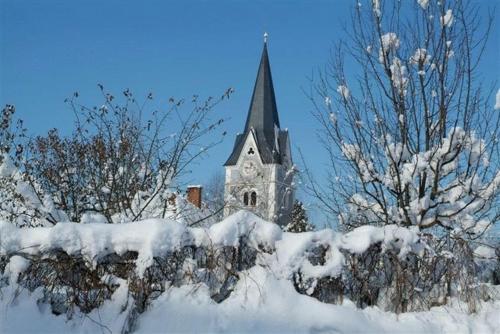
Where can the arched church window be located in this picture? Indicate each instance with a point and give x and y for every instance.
(251, 151)
(245, 198)
(253, 199)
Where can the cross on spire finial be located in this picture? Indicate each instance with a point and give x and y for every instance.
(265, 37)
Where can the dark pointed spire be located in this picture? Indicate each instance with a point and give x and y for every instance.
(263, 114)
(262, 119)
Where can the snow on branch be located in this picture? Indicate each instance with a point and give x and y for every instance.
(452, 202)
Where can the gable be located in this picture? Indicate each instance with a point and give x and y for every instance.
(275, 152)
(249, 149)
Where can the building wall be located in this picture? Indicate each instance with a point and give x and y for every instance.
(271, 182)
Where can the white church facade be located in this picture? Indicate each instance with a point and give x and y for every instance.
(259, 171)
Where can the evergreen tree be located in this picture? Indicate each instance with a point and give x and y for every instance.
(299, 221)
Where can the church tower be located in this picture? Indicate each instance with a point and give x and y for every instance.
(259, 171)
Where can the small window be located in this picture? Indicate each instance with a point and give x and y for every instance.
(253, 199)
(245, 199)
(251, 151)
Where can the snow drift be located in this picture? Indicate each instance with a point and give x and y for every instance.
(242, 274)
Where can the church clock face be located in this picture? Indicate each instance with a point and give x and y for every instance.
(249, 168)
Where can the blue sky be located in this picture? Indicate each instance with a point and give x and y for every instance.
(49, 49)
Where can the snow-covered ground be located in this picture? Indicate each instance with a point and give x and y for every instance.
(261, 303)
(263, 300)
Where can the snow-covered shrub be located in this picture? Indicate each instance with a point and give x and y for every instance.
(81, 265)
(487, 259)
(22, 200)
(396, 268)
(393, 267)
(457, 201)
(121, 162)
(416, 145)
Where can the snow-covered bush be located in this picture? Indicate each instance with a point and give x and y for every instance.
(487, 258)
(416, 143)
(81, 265)
(423, 152)
(22, 201)
(78, 267)
(121, 163)
(431, 188)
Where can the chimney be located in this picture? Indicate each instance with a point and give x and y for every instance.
(194, 195)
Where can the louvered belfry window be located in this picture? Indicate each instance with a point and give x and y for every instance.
(253, 199)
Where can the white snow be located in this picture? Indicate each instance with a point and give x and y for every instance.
(497, 100)
(460, 196)
(333, 117)
(260, 303)
(243, 223)
(420, 56)
(363, 237)
(353, 152)
(155, 237)
(447, 19)
(149, 238)
(328, 101)
(18, 198)
(389, 42)
(7, 168)
(343, 91)
(399, 75)
(485, 252)
(16, 266)
(376, 7)
(93, 218)
(263, 300)
(423, 3)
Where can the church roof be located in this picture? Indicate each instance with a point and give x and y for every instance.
(262, 119)
(263, 114)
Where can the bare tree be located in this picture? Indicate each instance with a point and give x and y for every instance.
(214, 194)
(10, 132)
(411, 136)
(121, 162)
(21, 201)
